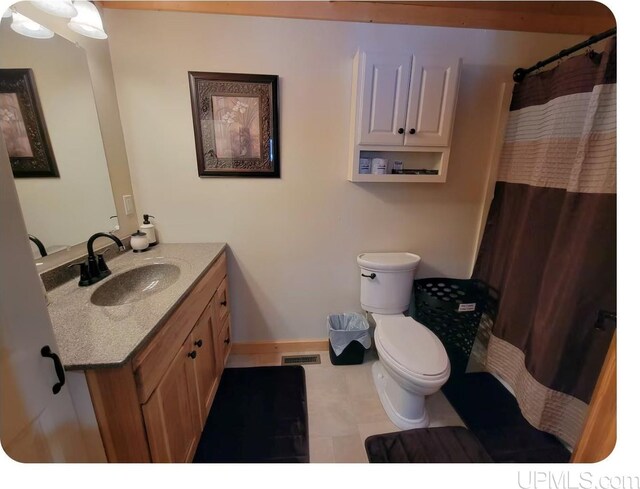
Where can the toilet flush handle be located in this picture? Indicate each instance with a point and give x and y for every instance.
(372, 276)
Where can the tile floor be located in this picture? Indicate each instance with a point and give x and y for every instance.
(344, 408)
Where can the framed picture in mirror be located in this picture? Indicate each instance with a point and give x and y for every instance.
(23, 126)
(235, 120)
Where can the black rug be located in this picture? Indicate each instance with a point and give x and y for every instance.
(450, 444)
(259, 414)
(493, 415)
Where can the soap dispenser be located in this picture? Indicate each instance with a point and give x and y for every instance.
(149, 229)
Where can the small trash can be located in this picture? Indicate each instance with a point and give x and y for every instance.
(348, 338)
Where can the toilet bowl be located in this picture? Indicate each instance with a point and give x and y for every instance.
(412, 360)
(412, 364)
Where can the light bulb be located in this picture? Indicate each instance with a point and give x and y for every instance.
(59, 8)
(88, 21)
(27, 27)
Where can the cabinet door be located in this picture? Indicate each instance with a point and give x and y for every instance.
(432, 100)
(221, 303)
(384, 93)
(171, 413)
(223, 345)
(202, 340)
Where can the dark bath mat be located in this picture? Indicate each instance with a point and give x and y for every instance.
(259, 414)
(451, 444)
(493, 415)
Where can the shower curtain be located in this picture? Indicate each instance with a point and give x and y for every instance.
(549, 245)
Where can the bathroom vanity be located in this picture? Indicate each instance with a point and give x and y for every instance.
(152, 358)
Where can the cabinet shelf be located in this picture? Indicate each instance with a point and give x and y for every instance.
(435, 158)
(391, 178)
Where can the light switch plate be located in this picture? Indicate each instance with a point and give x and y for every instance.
(128, 204)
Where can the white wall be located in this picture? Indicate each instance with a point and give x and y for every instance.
(294, 241)
(65, 210)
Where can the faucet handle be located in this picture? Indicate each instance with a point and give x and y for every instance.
(103, 269)
(102, 265)
(84, 273)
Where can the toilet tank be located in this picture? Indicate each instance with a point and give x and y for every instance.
(386, 280)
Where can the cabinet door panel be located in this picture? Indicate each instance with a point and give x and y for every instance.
(221, 304)
(432, 100)
(171, 414)
(223, 345)
(384, 95)
(202, 338)
(225, 336)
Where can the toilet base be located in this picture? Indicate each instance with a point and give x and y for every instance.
(405, 409)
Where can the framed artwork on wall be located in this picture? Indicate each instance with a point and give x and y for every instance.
(235, 121)
(23, 126)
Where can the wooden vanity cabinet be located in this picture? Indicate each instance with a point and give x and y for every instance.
(155, 406)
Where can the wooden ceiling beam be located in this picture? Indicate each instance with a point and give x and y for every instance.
(575, 17)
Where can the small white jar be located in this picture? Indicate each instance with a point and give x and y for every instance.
(139, 241)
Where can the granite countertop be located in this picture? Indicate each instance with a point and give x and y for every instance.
(91, 336)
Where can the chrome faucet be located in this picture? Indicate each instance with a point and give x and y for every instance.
(95, 268)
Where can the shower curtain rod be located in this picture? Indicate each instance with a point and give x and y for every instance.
(520, 73)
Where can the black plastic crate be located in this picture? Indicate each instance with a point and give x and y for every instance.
(452, 309)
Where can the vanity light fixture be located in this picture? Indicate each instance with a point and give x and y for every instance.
(59, 8)
(87, 22)
(27, 27)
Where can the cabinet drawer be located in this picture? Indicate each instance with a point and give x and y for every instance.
(154, 359)
(221, 305)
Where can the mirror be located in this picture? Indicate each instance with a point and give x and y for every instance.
(65, 209)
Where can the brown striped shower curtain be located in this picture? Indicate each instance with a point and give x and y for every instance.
(549, 245)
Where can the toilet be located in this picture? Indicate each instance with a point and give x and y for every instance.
(412, 361)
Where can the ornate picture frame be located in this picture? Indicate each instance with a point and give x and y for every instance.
(235, 123)
(23, 126)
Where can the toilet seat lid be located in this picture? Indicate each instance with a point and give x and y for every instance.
(412, 345)
(388, 262)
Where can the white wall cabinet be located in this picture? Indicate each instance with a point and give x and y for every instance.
(403, 107)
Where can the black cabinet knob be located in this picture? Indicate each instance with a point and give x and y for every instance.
(227, 341)
(223, 303)
(198, 343)
(412, 131)
(192, 354)
(401, 130)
